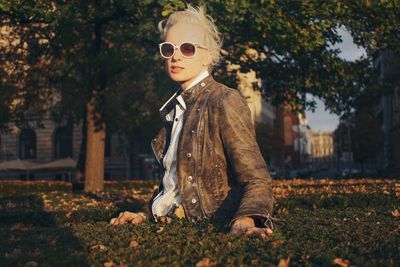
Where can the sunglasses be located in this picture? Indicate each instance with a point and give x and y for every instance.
(187, 49)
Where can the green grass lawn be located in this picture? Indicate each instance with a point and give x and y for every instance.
(317, 223)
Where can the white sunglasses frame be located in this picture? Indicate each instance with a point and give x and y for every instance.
(179, 48)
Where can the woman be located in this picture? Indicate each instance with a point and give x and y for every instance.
(212, 165)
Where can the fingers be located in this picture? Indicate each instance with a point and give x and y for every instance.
(128, 217)
(263, 232)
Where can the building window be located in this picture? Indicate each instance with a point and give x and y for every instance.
(63, 142)
(27, 144)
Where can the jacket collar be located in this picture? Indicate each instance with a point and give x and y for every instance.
(188, 96)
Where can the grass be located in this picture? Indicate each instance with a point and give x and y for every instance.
(317, 223)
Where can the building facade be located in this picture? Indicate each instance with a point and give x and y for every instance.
(55, 141)
(322, 150)
(387, 112)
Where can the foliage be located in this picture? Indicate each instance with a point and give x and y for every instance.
(110, 46)
(266, 141)
(366, 137)
(317, 222)
(293, 44)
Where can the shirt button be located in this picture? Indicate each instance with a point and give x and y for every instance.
(198, 110)
(194, 201)
(190, 178)
(189, 155)
(193, 131)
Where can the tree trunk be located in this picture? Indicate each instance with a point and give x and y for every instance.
(94, 165)
(80, 166)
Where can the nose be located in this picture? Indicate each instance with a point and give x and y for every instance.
(177, 55)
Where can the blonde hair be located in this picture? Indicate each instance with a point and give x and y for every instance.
(196, 16)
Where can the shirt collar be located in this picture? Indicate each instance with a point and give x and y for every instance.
(200, 77)
(177, 95)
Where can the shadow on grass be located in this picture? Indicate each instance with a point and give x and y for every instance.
(29, 233)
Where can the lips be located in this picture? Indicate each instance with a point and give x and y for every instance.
(176, 69)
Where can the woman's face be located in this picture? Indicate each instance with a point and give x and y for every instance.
(179, 68)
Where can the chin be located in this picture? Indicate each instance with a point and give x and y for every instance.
(177, 77)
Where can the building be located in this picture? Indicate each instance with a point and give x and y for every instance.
(322, 150)
(52, 150)
(52, 143)
(387, 112)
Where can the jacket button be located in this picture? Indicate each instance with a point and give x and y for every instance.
(189, 155)
(190, 178)
(203, 84)
(194, 201)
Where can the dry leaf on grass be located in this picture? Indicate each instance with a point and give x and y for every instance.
(160, 230)
(277, 243)
(21, 227)
(10, 205)
(133, 244)
(31, 264)
(341, 262)
(109, 264)
(15, 253)
(179, 212)
(98, 247)
(284, 262)
(164, 219)
(396, 213)
(204, 262)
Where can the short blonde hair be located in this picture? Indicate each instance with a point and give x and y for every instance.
(196, 16)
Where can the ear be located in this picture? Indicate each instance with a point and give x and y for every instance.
(207, 59)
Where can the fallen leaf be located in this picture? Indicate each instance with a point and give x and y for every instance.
(31, 264)
(10, 205)
(160, 230)
(15, 253)
(180, 212)
(396, 213)
(133, 244)
(109, 264)
(284, 262)
(164, 219)
(13, 238)
(98, 247)
(21, 227)
(204, 262)
(277, 243)
(341, 262)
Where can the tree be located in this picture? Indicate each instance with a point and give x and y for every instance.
(100, 54)
(293, 42)
(367, 137)
(94, 45)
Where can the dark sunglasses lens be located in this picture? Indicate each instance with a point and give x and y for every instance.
(188, 49)
(167, 50)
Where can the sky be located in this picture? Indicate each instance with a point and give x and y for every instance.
(322, 120)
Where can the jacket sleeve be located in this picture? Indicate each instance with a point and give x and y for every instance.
(244, 156)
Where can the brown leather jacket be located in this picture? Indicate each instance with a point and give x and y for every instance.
(221, 172)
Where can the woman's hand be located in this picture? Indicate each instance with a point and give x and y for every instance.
(128, 217)
(246, 226)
